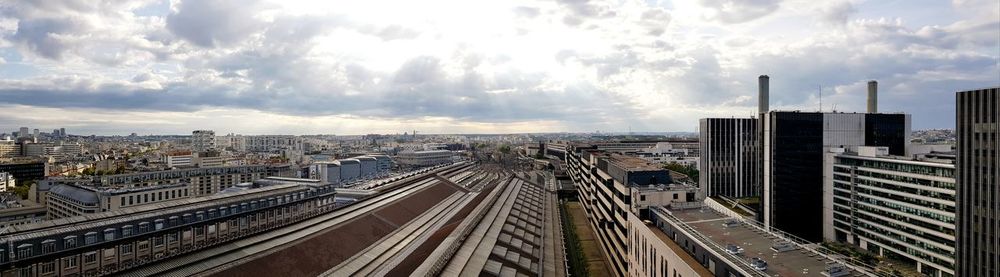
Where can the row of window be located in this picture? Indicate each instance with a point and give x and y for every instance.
(109, 234)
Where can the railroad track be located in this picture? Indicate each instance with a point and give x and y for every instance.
(213, 260)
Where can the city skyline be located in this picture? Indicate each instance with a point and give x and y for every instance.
(168, 67)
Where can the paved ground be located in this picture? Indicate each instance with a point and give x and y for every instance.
(596, 263)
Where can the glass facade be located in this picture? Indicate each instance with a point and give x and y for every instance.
(796, 187)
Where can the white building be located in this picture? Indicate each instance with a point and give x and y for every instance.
(891, 205)
(202, 140)
(8, 148)
(6, 181)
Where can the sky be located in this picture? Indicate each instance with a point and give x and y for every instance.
(460, 66)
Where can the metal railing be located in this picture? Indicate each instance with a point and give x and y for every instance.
(717, 250)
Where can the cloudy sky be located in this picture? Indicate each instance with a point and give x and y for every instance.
(443, 66)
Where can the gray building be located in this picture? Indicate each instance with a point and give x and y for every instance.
(730, 159)
(978, 233)
(325, 171)
(368, 166)
(350, 170)
(892, 206)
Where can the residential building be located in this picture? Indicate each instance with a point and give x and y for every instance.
(7, 181)
(202, 140)
(978, 182)
(793, 147)
(730, 157)
(615, 190)
(892, 206)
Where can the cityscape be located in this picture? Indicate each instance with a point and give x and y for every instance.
(663, 138)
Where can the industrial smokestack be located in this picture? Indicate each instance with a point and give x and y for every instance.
(872, 96)
(762, 97)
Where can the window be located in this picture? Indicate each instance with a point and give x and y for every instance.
(126, 230)
(143, 227)
(48, 246)
(675, 196)
(89, 258)
(24, 251)
(90, 238)
(48, 268)
(69, 262)
(69, 242)
(109, 234)
(126, 249)
(158, 224)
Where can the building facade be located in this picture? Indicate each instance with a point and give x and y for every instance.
(978, 132)
(892, 206)
(793, 147)
(7, 181)
(202, 140)
(730, 159)
(424, 158)
(612, 188)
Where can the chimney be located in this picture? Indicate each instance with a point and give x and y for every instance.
(762, 97)
(872, 96)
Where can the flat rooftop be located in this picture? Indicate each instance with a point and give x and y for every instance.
(633, 164)
(756, 243)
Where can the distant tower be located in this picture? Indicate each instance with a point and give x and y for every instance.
(762, 89)
(872, 96)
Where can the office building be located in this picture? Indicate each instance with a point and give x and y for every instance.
(666, 152)
(328, 171)
(978, 166)
(202, 140)
(26, 170)
(9, 149)
(350, 170)
(179, 159)
(367, 165)
(892, 206)
(23, 133)
(424, 158)
(793, 147)
(730, 157)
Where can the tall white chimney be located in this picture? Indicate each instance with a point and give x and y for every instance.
(762, 97)
(872, 96)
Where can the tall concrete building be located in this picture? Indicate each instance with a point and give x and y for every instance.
(978, 230)
(892, 206)
(793, 147)
(202, 140)
(730, 160)
(23, 132)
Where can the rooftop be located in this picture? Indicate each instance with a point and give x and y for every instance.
(755, 242)
(633, 163)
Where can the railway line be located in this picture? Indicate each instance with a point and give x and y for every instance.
(217, 259)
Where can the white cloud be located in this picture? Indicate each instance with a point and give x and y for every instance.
(573, 65)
